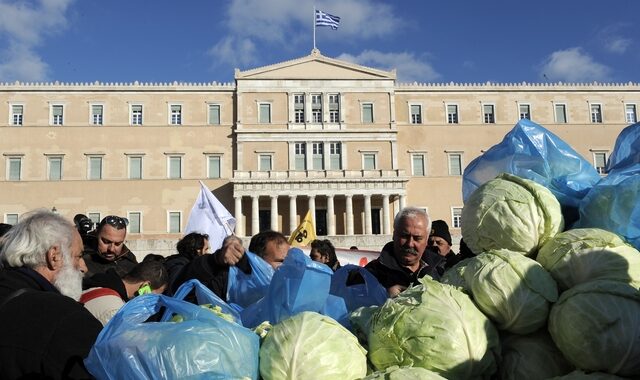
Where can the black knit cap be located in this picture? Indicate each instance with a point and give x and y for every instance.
(440, 228)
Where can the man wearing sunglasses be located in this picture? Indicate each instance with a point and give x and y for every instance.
(106, 250)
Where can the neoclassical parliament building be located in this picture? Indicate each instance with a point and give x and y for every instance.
(347, 142)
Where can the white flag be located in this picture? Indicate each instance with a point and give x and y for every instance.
(208, 216)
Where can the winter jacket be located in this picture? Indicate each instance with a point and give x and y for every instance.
(97, 264)
(387, 270)
(45, 335)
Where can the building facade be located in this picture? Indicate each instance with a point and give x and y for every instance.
(345, 141)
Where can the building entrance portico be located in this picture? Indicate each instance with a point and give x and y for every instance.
(349, 203)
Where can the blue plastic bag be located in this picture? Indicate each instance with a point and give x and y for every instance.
(532, 152)
(335, 308)
(626, 151)
(614, 204)
(203, 346)
(204, 296)
(367, 293)
(299, 284)
(244, 289)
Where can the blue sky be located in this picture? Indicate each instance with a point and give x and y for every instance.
(462, 41)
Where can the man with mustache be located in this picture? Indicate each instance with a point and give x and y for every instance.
(45, 332)
(405, 259)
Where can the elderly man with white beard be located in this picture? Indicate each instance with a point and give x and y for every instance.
(44, 331)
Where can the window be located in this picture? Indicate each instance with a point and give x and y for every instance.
(214, 114)
(630, 113)
(334, 108)
(96, 114)
(174, 167)
(369, 161)
(367, 113)
(17, 114)
(264, 116)
(596, 113)
(335, 156)
(489, 114)
(176, 114)
(317, 156)
(316, 108)
(135, 167)
(417, 165)
(95, 167)
(136, 114)
(57, 115)
(135, 219)
(455, 164)
(11, 218)
(264, 163)
(300, 156)
(175, 225)
(561, 113)
(298, 106)
(456, 217)
(95, 217)
(600, 162)
(54, 168)
(452, 114)
(14, 168)
(213, 166)
(416, 113)
(525, 111)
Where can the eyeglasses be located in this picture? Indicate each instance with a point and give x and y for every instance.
(115, 221)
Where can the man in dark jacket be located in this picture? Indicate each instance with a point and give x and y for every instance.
(189, 247)
(404, 260)
(105, 248)
(45, 332)
(213, 270)
(440, 242)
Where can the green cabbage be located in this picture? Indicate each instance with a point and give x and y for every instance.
(511, 213)
(311, 346)
(532, 357)
(404, 373)
(437, 327)
(596, 325)
(514, 291)
(585, 254)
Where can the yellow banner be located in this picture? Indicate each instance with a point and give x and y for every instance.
(304, 234)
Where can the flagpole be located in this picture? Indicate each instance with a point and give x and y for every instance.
(314, 27)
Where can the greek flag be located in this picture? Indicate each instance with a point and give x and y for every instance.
(325, 19)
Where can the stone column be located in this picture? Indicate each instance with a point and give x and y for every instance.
(238, 215)
(331, 217)
(293, 213)
(274, 213)
(403, 201)
(255, 215)
(349, 212)
(367, 214)
(386, 226)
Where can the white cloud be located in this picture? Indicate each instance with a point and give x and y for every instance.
(24, 25)
(618, 45)
(574, 65)
(409, 67)
(235, 52)
(612, 38)
(23, 64)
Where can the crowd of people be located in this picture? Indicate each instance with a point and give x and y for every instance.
(61, 282)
